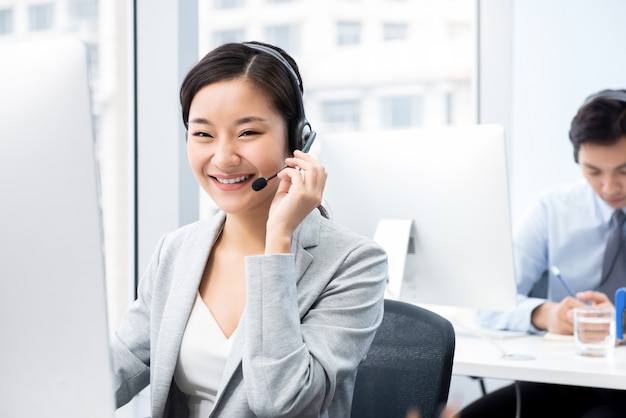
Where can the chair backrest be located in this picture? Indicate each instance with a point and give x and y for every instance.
(409, 365)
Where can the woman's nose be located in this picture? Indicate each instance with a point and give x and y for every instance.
(226, 154)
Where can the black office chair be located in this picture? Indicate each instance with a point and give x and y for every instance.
(409, 365)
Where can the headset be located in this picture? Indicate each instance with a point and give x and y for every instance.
(303, 134)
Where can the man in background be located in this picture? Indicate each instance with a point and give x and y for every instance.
(568, 228)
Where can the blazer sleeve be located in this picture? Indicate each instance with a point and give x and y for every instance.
(130, 345)
(305, 336)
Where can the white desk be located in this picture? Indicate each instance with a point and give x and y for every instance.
(554, 361)
(480, 353)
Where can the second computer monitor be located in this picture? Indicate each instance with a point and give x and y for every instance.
(450, 186)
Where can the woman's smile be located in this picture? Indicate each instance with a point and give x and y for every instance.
(231, 182)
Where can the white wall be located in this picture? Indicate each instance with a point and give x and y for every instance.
(562, 51)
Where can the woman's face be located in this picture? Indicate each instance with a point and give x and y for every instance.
(234, 137)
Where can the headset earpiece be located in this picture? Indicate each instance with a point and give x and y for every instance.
(304, 133)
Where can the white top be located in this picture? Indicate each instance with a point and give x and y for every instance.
(201, 359)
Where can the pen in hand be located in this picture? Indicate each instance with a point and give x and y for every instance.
(557, 273)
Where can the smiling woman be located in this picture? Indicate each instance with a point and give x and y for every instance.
(274, 305)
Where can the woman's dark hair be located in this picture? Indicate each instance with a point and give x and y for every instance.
(235, 60)
(600, 120)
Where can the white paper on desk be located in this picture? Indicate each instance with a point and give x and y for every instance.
(551, 336)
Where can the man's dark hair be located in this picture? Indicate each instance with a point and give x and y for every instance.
(600, 120)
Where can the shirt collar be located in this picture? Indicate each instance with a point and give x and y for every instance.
(606, 211)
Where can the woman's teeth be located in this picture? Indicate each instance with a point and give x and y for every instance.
(233, 180)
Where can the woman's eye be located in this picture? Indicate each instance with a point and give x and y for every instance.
(249, 133)
(201, 134)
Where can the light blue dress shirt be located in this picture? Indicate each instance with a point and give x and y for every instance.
(567, 227)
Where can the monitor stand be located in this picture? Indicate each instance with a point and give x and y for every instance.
(398, 237)
(395, 236)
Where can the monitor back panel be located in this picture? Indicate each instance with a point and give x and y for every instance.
(452, 183)
(55, 358)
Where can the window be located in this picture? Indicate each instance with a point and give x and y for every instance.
(348, 33)
(393, 31)
(92, 58)
(83, 16)
(285, 36)
(394, 64)
(402, 111)
(399, 63)
(459, 31)
(83, 9)
(6, 21)
(41, 17)
(227, 4)
(342, 114)
(226, 36)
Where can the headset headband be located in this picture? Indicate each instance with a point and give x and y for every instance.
(279, 57)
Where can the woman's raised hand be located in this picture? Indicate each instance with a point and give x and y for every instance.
(300, 191)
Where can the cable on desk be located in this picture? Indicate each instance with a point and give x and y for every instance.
(481, 335)
(484, 336)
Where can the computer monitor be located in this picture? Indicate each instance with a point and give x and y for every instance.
(54, 358)
(440, 200)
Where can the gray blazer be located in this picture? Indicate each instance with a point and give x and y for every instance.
(309, 320)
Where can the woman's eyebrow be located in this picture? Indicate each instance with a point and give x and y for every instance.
(200, 120)
(248, 119)
(240, 121)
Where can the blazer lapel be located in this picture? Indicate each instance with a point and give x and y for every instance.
(187, 273)
(306, 236)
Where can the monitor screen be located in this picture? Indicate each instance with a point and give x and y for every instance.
(440, 200)
(55, 355)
